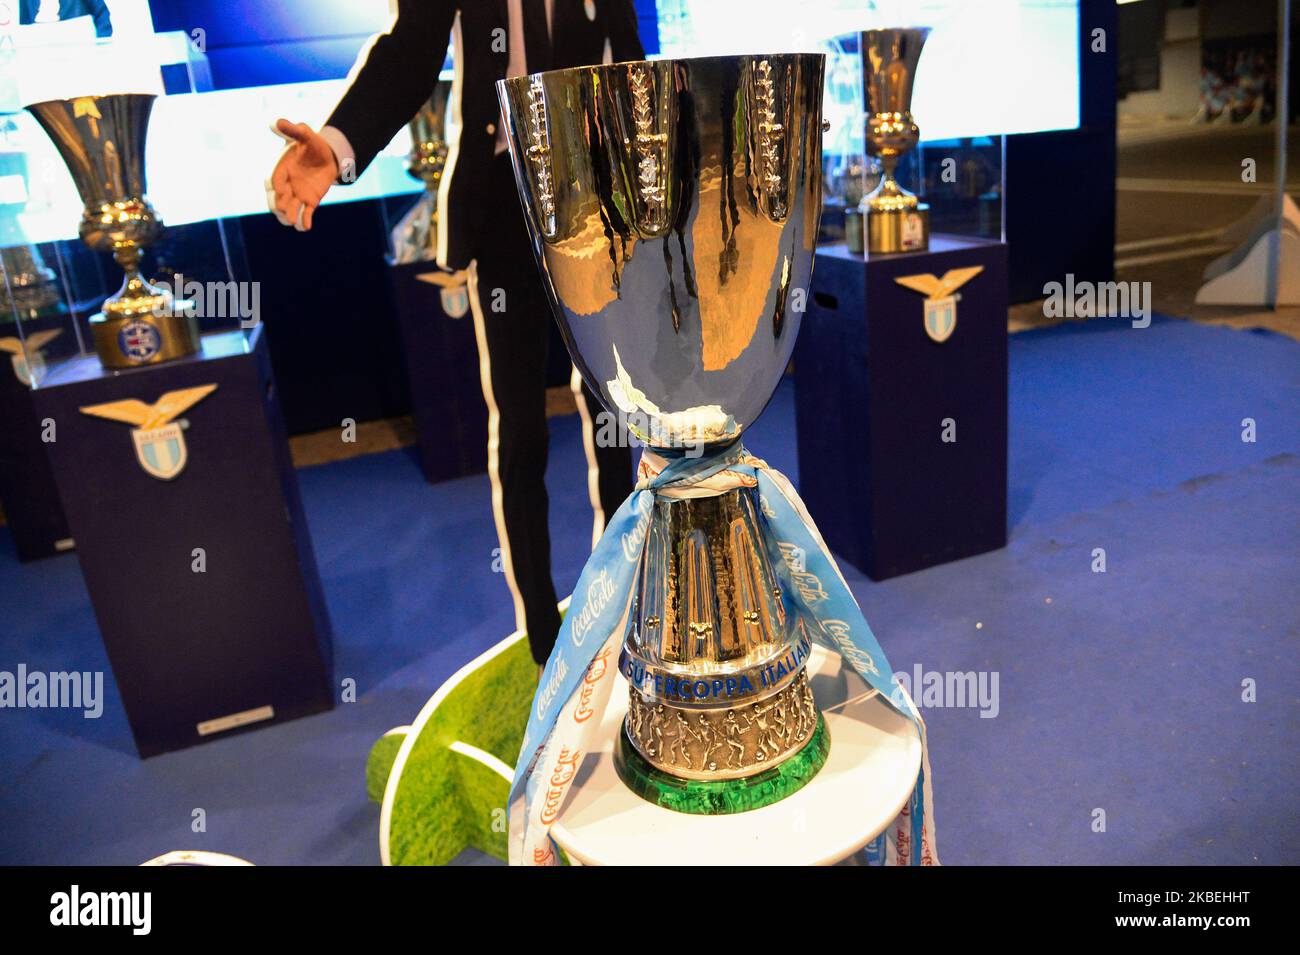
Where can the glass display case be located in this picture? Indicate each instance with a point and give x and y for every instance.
(432, 307)
(970, 88)
(961, 178)
(410, 211)
(963, 181)
(78, 137)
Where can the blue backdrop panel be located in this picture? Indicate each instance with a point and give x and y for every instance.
(254, 43)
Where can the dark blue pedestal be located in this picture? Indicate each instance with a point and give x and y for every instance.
(246, 641)
(442, 368)
(876, 397)
(28, 493)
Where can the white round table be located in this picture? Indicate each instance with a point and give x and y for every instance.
(874, 758)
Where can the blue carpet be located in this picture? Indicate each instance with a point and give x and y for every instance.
(1118, 691)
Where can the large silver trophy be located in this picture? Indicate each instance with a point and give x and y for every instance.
(102, 142)
(674, 207)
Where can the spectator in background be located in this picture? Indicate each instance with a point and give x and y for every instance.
(1237, 88)
(1214, 98)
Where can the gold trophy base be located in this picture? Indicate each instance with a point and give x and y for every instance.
(898, 230)
(125, 341)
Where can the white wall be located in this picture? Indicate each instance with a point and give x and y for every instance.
(1180, 71)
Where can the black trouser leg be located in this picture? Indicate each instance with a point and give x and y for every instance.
(611, 464)
(514, 315)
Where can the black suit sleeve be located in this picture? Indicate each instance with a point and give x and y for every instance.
(621, 28)
(396, 77)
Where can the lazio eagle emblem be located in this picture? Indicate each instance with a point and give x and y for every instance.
(453, 289)
(26, 354)
(159, 440)
(940, 298)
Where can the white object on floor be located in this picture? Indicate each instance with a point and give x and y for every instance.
(196, 857)
(874, 759)
(1265, 269)
(1269, 244)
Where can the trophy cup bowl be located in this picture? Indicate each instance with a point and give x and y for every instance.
(101, 140)
(673, 207)
(897, 221)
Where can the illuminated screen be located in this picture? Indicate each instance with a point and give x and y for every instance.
(274, 42)
(989, 66)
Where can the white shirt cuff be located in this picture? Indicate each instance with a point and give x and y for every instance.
(343, 154)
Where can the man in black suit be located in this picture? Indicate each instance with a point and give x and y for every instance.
(481, 229)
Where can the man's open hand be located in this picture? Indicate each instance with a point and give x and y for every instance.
(302, 176)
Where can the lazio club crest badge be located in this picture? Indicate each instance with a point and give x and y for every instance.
(28, 361)
(453, 289)
(940, 298)
(159, 439)
(139, 340)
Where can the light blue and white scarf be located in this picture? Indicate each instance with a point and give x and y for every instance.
(580, 673)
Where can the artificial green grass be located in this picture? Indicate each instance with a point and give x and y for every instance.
(380, 762)
(446, 802)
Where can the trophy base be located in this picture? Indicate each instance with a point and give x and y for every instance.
(898, 230)
(148, 339)
(723, 796)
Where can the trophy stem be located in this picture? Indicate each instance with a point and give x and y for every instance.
(142, 323)
(137, 297)
(888, 195)
(897, 221)
(128, 257)
(888, 166)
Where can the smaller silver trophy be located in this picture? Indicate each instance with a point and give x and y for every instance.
(415, 237)
(102, 142)
(897, 221)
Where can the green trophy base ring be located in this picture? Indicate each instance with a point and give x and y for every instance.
(724, 796)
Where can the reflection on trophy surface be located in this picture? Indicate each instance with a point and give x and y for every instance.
(102, 142)
(896, 220)
(415, 237)
(674, 207)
